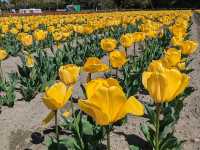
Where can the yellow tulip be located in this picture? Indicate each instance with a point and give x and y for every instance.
(95, 84)
(138, 36)
(126, 40)
(176, 40)
(66, 35)
(39, 35)
(93, 64)
(166, 85)
(30, 61)
(26, 40)
(57, 95)
(78, 29)
(156, 65)
(108, 104)
(87, 29)
(57, 36)
(181, 66)
(4, 29)
(3, 54)
(69, 73)
(188, 47)
(108, 44)
(117, 58)
(14, 31)
(51, 28)
(172, 57)
(26, 28)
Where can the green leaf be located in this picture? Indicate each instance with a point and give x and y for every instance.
(87, 127)
(70, 143)
(133, 147)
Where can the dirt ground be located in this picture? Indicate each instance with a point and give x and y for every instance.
(19, 126)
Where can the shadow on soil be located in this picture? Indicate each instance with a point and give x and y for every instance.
(135, 140)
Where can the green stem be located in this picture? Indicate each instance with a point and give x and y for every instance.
(89, 78)
(126, 51)
(72, 106)
(157, 143)
(108, 138)
(109, 63)
(1, 72)
(56, 124)
(134, 50)
(116, 73)
(78, 132)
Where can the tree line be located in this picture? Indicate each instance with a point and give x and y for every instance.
(100, 4)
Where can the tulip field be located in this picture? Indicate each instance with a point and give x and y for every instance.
(95, 81)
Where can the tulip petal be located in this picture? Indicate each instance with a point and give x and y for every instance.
(132, 106)
(48, 118)
(145, 77)
(174, 78)
(116, 100)
(101, 99)
(51, 103)
(157, 86)
(53, 91)
(109, 100)
(135, 107)
(94, 111)
(112, 82)
(69, 93)
(66, 114)
(94, 84)
(184, 83)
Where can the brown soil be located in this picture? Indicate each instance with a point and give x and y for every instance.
(21, 124)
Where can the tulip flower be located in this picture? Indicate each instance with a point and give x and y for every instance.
(40, 35)
(30, 60)
(14, 31)
(26, 40)
(108, 44)
(117, 59)
(4, 28)
(69, 74)
(66, 35)
(55, 98)
(176, 40)
(138, 36)
(87, 29)
(94, 84)
(126, 40)
(172, 57)
(78, 29)
(94, 64)
(164, 86)
(107, 103)
(156, 66)
(3, 55)
(57, 36)
(181, 66)
(188, 47)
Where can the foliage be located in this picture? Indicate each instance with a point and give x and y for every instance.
(7, 91)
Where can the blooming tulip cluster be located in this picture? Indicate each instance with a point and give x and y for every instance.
(63, 47)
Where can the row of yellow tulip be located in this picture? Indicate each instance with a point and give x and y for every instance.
(27, 29)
